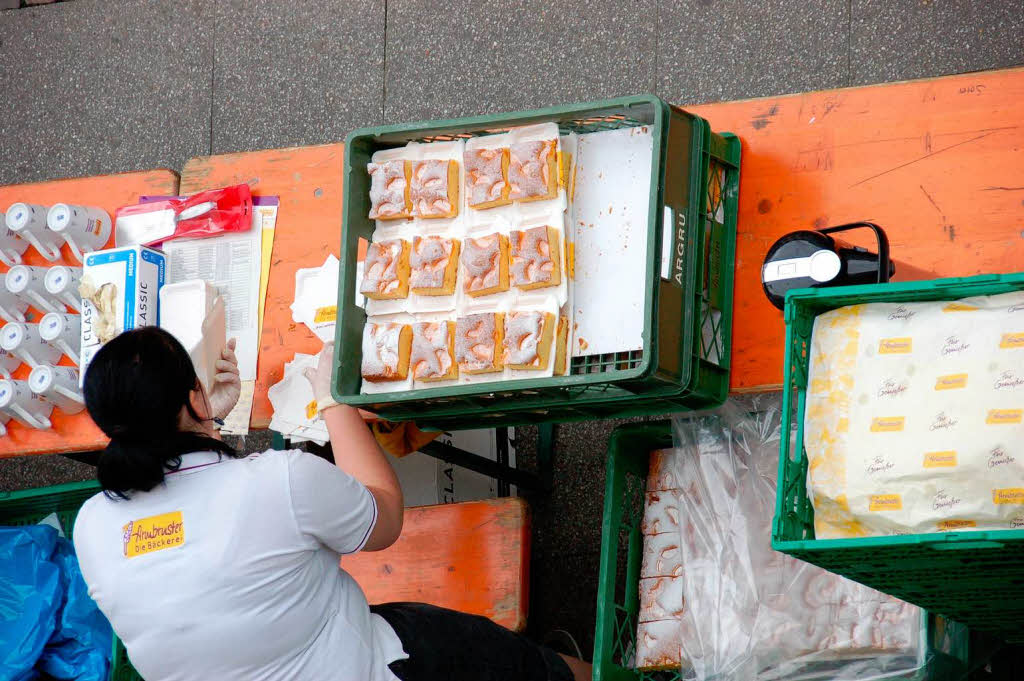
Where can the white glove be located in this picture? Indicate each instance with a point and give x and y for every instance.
(226, 384)
(320, 378)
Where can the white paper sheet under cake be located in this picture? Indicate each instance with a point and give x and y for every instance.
(613, 186)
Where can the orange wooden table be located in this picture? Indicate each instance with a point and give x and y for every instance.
(937, 163)
(73, 433)
(308, 182)
(473, 557)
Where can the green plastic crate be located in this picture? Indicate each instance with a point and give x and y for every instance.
(971, 577)
(28, 507)
(688, 320)
(618, 586)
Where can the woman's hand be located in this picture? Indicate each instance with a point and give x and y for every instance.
(320, 378)
(226, 384)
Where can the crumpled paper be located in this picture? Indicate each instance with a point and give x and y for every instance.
(295, 415)
(316, 298)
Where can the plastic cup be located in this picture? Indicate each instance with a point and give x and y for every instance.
(58, 386)
(12, 308)
(63, 331)
(84, 228)
(23, 340)
(29, 284)
(28, 221)
(61, 282)
(12, 246)
(24, 406)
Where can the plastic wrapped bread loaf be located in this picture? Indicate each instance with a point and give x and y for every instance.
(915, 415)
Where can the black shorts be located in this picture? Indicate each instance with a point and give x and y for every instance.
(448, 645)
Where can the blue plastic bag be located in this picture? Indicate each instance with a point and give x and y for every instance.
(48, 622)
(30, 597)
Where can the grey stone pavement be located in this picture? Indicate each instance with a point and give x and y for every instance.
(103, 86)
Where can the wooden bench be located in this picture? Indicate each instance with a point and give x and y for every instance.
(473, 557)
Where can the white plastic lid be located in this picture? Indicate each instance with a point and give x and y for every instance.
(56, 278)
(11, 336)
(18, 216)
(40, 379)
(6, 392)
(17, 279)
(825, 266)
(51, 326)
(58, 217)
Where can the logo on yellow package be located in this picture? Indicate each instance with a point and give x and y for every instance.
(1000, 417)
(155, 533)
(1011, 341)
(1010, 495)
(887, 424)
(885, 502)
(326, 314)
(895, 346)
(948, 525)
(951, 382)
(940, 459)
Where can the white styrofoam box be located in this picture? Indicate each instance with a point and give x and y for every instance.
(137, 274)
(193, 312)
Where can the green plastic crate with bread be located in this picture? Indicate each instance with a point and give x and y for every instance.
(635, 202)
(904, 473)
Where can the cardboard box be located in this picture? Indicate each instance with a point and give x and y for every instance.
(134, 275)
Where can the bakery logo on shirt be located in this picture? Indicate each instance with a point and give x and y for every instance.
(892, 388)
(999, 457)
(943, 500)
(879, 464)
(155, 533)
(1008, 380)
(943, 422)
(954, 346)
(901, 312)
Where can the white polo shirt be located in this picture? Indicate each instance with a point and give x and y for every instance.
(230, 571)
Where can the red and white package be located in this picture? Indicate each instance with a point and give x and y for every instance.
(204, 214)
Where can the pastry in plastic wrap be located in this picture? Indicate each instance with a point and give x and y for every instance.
(478, 340)
(433, 351)
(662, 556)
(435, 188)
(658, 645)
(661, 513)
(485, 264)
(434, 264)
(386, 270)
(533, 171)
(386, 348)
(486, 177)
(389, 190)
(661, 598)
(536, 257)
(528, 338)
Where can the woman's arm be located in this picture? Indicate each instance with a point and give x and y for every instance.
(356, 452)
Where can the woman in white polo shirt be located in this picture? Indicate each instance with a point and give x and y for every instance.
(210, 565)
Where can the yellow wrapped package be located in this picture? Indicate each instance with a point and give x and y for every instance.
(915, 417)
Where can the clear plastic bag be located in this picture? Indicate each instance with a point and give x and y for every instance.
(750, 612)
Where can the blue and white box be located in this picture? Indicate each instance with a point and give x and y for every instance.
(133, 276)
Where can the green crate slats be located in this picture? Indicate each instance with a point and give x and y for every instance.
(970, 577)
(28, 507)
(618, 596)
(698, 310)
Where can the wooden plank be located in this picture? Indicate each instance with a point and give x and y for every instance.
(73, 433)
(936, 162)
(309, 182)
(473, 557)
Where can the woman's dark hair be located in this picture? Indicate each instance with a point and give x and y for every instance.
(135, 388)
